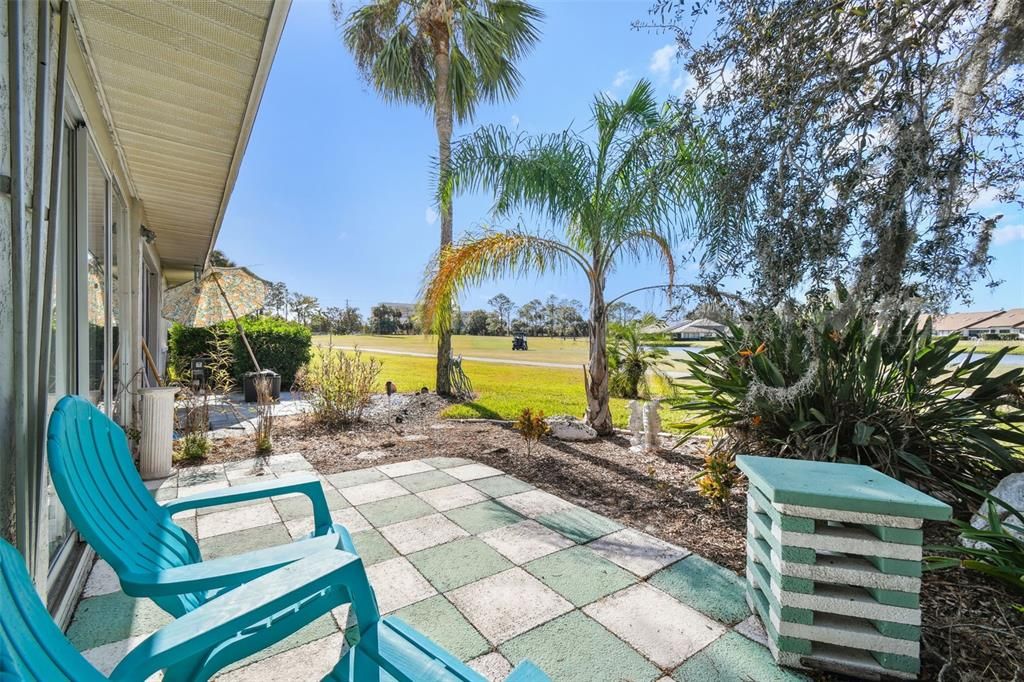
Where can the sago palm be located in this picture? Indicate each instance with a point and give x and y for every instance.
(622, 189)
(446, 56)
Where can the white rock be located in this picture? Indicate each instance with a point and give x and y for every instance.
(1011, 491)
(570, 428)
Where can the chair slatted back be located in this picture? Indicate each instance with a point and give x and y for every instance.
(32, 647)
(96, 480)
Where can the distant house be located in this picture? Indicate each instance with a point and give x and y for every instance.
(407, 309)
(695, 330)
(1008, 322)
(978, 324)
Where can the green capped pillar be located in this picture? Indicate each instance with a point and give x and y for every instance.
(834, 564)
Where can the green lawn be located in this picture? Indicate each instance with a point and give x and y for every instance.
(504, 390)
(1016, 347)
(542, 349)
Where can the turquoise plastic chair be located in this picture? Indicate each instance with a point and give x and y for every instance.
(193, 647)
(96, 480)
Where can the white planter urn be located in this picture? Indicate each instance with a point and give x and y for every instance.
(155, 444)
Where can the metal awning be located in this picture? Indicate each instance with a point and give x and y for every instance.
(181, 83)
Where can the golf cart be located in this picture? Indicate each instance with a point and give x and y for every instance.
(519, 342)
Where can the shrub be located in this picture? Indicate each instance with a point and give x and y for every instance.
(1001, 554)
(194, 446)
(531, 426)
(192, 421)
(278, 344)
(338, 386)
(822, 383)
(716, 479)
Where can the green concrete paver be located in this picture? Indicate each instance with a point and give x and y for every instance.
(291, 508)
(447, 462)
(242, 541)
(734, 657)
(458, 563)
(499, 486)
(428, 480)
(579, 524)
(843, 487)
(440, 621)
(576, 648)
(395, 510)
(580, 575)
(372, 547)
(347, 479)
(706, 586)
(484, 516)
(113, 617)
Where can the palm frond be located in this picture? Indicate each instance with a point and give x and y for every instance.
(493, 255)
(547, 174)
(640, 245)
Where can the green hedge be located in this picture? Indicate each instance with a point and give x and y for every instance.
(278, 344)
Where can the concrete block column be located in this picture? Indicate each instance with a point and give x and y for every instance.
(834, 565)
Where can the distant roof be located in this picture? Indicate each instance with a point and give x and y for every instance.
(702, 323)
(958, 321)
(1009, 318)
(406, 308)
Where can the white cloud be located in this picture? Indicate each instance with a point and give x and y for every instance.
(430, 215)
(987, 198)
(661, 60)
(515, 121)
(1008, 233)
(621, 77)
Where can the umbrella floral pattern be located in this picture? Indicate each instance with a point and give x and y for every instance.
(204, 303)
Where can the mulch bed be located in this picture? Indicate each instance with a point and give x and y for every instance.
(971, 629)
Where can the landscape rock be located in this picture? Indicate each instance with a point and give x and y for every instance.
(570, 428)
(1011, 491)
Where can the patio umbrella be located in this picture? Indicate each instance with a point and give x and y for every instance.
(215, 296)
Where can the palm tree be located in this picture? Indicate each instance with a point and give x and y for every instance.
(625, 195)
(631, 358)
(445, 55)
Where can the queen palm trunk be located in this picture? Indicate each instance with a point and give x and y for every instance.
(599, 413)
(443, 124)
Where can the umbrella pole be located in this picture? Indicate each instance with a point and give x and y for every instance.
(241, 331)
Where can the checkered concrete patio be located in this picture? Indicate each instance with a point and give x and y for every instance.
(485, 564)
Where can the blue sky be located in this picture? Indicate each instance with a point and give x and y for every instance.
(334, 194)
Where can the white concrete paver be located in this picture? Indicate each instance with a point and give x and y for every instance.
(661, 628)
(315, 659)
(404, 468)
(471, 472)
(373, 492)
(397, 584)
(351, 519)
(508, 604)
(241, 518)
(534, 503)
(493, 666)
(638, 552)
(416, 534)
(452, 496)
(525, 541)
(102, 580)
